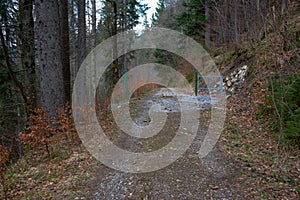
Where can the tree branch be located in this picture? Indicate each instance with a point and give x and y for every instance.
(9, 67)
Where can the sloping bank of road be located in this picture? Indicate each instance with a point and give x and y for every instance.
(189, 177)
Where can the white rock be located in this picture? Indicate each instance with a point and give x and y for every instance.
(231, 89)
(229, 83)
(245, 67)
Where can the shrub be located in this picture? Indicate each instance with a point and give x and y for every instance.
(66, 125)
(40, 127)
(285, 98)
(43, 130)
(4, 156)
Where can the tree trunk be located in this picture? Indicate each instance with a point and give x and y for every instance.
(49, 55)
(236, 34)
(94, 23)
(28, 49)
(65, 47)
(114, 31)
(285, 26)
(124, 29)
(73, 42)
(207, 25)
(226, 22)
(81, 32)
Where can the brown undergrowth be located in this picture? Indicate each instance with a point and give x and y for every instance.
(55, 164)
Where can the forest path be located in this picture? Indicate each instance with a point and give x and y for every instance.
(189, 177)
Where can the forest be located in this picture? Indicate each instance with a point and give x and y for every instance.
(46, 47)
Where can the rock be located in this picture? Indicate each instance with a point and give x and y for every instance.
(234, 78)
(229, 83)
(214, 187)
(231, 89)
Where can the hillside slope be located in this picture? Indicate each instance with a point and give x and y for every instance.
(271, 162)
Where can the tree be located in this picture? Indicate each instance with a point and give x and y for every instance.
(94, 23)
(81, 32)
(192, 19)
(26, 25)
(49, 55)
(166, 12)
(207, 24)
(73, 39)
(117, 16)
(65, 47)
(10, 69)
(285, 25)
(158, 11)
(113, 17)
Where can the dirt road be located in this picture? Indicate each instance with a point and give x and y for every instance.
(189, 177)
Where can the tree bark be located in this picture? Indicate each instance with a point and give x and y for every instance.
(27, 48)
(285, 26)
(94, 23)
(115, 45)
(73, 42)
(81, 32)
(65, 47)
(49, 55)
(226, 22)
(236, 34)
(207, 25)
